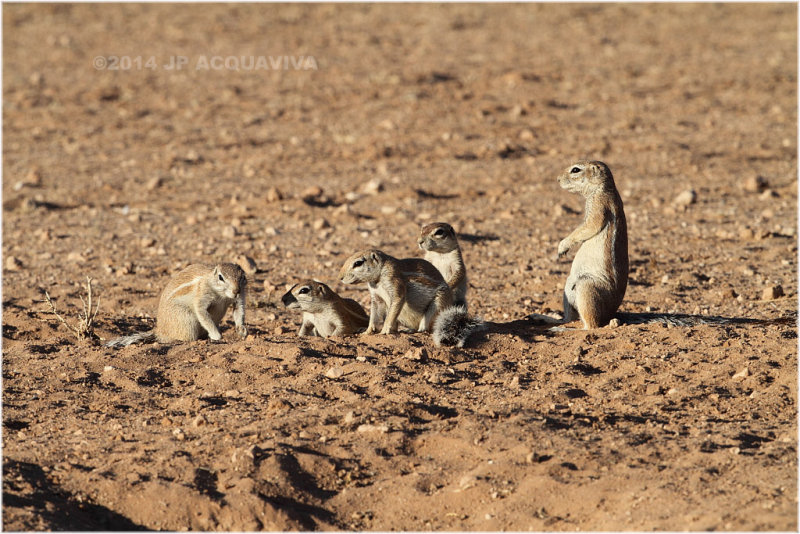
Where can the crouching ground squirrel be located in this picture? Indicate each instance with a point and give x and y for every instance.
(324, 312)
(440, 244)
(193, 304)
(599, 274)
(412, 293)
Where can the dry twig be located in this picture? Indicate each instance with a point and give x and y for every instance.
(85, 328)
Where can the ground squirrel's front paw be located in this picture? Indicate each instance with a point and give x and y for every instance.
(242, 331)
(388, 330)
(563, 247)
(214, 336)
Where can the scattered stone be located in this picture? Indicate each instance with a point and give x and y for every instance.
(311, 193)
(232, 394)
(199, 421)
(13, 263)
(744, 373)
(728, 293)
(147, 242)
(755, 184)
(467, 481)
(767, 194)
(229, 232)
(274, 195)
(334, 372)
(614, 323)
(418, 354)
(772, 292)
(154, 183)
(179, 435)
(685, 198)
(278, 405)
(320, 224)
(75, 257)
(349, 418)
(247, 264)
(373, 187)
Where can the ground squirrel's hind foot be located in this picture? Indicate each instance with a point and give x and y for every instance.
(141, 337)
(542, 319)
(453, 326)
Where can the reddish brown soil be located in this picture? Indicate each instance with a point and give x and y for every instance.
(461, 113)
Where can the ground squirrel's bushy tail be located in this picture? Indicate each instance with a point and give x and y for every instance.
(453, 326)
(685, 319)
(141, 337)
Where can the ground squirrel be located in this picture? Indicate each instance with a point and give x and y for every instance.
(412, 293)
(599, 274)
(324, 312)
(440, 244)
(193, 304)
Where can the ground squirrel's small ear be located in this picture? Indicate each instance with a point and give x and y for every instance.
(374, 256)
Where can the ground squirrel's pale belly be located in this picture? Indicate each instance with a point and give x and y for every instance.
(591, 259)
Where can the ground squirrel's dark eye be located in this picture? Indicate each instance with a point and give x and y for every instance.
(575, 170)
(439, 232)
(304, 290)
(221, 278)
(358, 263)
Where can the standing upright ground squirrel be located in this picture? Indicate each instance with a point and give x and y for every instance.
(412, 293)
(193, 304)
(324, 312)
(440, 244)
(599, 275)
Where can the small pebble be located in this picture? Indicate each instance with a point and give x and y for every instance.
(247, 264)
(755, 184)
(744, 373)
(334, 372)
(274, 195)
(373, 187)
(418, 354)
(13, 263)
(686, 198)
(311, 193)
(154, 183)
(772, 292)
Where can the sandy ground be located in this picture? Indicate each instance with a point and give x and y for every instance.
(406, 115)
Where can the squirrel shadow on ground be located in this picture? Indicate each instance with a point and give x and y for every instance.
(56, 506)
(524, 329)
